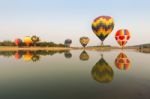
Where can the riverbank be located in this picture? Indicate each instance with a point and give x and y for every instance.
(92, 48)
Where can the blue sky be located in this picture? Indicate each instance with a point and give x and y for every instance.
(56, 20)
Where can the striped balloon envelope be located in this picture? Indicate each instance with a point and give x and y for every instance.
(122, 62)
(122, 36)
(103, 26)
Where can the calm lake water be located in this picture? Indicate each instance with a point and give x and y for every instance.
(75, 75)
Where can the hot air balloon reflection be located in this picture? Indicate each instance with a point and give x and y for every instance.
(35, 58)
(102, 72)
(84, 56)
(102, 27)
(84, 41)
(27, 56)
(122, 62)
(18, 55)
(122, 36)
(67, 55)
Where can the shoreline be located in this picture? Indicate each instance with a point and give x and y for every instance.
(97, 48)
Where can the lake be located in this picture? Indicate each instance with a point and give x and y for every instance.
(76, 74)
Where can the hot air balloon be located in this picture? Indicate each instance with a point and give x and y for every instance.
(103, 26)
(68, 42)
(28, 56)
(84, 41)
(84, 56)
(102, 72)
(28, 40)
(122, 36)
(18, 42)
(68, 55)
(35, 39)
(122, 62)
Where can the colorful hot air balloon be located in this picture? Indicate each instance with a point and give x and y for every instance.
(103, 26)
(102, 72)
(122, 36)
(18, 42)
(84, 41)
(122, 62)
(84, 56)
(68, 42)
(28, 40)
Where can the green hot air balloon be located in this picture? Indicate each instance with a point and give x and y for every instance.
(102, 72)
(102, 27)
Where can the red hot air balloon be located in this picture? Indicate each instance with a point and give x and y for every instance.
(18, 41)
(122, 36)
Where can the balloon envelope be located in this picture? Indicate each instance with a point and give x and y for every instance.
(68, 42)
(103, 26)
(28, 40)
(84, 41)
(122, 62)
(18, 41)
(122, 36)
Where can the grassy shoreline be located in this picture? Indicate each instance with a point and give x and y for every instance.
(96, 48)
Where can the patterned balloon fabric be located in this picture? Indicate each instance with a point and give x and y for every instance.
(122, 62)
(103, 26)
(122, 36)
(84, 41)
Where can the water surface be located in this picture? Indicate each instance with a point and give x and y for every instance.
(75, 75)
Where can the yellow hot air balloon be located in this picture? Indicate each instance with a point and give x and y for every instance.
(103, 26)
(102, 72)
(84, 41)
(28, 40)
(27, 56)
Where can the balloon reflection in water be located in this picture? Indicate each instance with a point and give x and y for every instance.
(28, 56)
(84, 56)
(18, 55)
(35, 58)
(102, 72)
(67, 55)
(122, 62)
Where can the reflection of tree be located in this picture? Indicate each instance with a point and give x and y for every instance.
(102, 72)
(68, 54)
(7, 53)
(122, 62)
(84, 56)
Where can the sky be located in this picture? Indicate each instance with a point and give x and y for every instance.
(57, 20)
